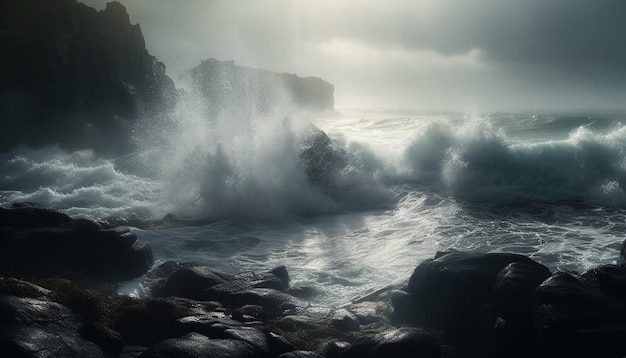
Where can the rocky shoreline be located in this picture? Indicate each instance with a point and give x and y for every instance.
(58, 298)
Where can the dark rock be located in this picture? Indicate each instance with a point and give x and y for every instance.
(132, 351)
(40, 242)
(31, 216)
(610, 280)
(39, 328)
(621, 261)
(19, 288)
(189, 281)
(511, 305)
(109, 340)
(369, 312)
(297, 323)
(208, 325)
(247, 288)
(403, 306)
(334, 349)
(574, 319)
(274, 301)
(145, 322)
(279, 344)
(81, 77)
(344, 320)
(252, 336)
(401, 342)
(321, 160)
(196, 345)
(249, 313)
(452, 292)
(300, 354)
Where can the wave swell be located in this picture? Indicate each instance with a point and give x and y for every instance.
(474, 161)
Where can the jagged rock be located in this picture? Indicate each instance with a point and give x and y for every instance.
(401, 342)
(75, 77)
(38, 242)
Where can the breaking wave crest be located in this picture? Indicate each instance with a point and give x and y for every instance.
(475, 161)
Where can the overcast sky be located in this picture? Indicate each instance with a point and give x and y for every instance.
(420, 54)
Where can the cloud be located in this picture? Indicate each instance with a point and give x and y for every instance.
(501, 53)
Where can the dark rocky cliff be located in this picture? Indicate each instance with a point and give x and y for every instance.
(75, 77)
(225, 85)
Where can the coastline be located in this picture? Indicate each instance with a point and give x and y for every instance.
(454, 305)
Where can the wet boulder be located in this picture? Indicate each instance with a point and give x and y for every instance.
(37, 242)
(40, 328)
(575, 319)
(300, 354)
(621, 261)
(452, 293)
(401, 342)
(197, 345)
(265, 289)
(511, 306)
(186, 280)
(456, 286)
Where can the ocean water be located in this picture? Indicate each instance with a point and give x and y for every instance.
(232, 192)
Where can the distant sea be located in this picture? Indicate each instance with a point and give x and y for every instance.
(230, 191)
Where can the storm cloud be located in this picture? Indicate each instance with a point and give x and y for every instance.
(446, 54)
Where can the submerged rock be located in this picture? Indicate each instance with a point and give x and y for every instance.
(38, 242)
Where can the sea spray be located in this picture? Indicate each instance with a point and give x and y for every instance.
(255, 155)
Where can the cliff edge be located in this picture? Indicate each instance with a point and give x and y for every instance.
(75, 77)
(226, 85)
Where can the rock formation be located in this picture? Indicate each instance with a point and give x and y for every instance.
(75, 77)
(37, 242)
(225, 86)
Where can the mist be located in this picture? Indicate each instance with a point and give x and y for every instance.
(430, 55)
